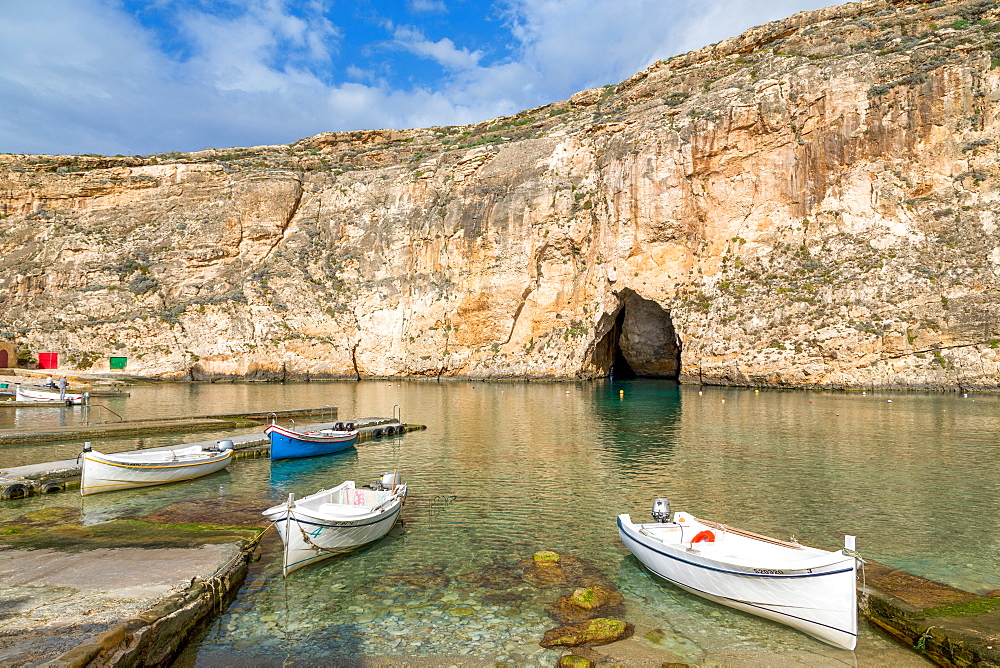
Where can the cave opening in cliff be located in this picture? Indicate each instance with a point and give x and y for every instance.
(640, 341)
(620, 368)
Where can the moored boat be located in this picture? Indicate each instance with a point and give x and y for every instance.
(41, 395)
(333, 521)
(288, 443)
(809, 589)
(127, 470)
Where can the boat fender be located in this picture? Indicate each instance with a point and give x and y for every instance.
(389, 431)
(661, 510)
(17, 490)
(338, 426)
(706, 536)
(51, 487)
(348, 426)
(376, 432)
(69, 402)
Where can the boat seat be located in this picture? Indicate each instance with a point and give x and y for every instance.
(343, 509)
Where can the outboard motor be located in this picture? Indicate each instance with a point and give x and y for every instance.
(86, 449)
(388, 480)
(661, 510)
(220, 446)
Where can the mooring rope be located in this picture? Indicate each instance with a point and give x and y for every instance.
(864, 583)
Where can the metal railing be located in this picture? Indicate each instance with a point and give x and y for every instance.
(86, 413)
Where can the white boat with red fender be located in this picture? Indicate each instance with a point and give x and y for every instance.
(127, 470)
(333, 521)
(812, 590)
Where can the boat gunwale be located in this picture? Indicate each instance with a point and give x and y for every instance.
(361, 521)
(394, 498)
(677, 553)
(311, 437)
(213, 458)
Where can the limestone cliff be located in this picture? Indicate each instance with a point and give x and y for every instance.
(813, 203)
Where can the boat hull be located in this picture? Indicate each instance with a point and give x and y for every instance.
(48, 397)
(109, 473)
(820, 600)
(288, 444)
(310, 537)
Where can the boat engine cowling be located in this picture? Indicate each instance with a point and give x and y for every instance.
(661, 510)
(220, 446)
(388, 480)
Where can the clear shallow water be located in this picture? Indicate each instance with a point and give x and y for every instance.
(506, 469)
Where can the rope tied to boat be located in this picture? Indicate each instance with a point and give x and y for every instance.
(860, 563)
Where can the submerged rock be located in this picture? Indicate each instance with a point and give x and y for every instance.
(546, 558)
(584, 604)
(594, 597)
(550, 569)
(599, 631)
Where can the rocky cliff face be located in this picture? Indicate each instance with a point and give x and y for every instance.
(812, 204)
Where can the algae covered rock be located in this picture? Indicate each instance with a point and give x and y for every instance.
(546, 558)
(585, 603)
(573, 661)
(589, 598)
(550, 569)
(546, 569)
(599, 631)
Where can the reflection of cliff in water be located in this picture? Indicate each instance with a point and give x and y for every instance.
(638, 422)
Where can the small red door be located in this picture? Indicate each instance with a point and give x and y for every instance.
(48, 360)
(3, 359)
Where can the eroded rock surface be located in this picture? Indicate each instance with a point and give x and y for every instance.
(813, 203)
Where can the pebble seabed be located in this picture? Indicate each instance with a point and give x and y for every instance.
(427, 612)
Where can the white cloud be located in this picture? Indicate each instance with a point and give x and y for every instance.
(426, 6)
(444, 52)
(83, 76)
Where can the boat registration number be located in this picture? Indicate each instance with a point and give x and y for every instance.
(768, 571)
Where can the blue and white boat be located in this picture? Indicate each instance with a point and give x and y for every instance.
(809, 589)
(333, 521)
(288, 443)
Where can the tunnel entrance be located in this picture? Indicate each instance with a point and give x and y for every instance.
(640, 343)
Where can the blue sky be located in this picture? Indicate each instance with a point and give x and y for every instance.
(140, 77)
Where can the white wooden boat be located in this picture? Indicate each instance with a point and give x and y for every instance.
(812, 590)
(333, 521)
(126, 470)
(40, 395)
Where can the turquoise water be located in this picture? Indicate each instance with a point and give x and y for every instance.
(506, 469)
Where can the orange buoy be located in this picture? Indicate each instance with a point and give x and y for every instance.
(705, 535)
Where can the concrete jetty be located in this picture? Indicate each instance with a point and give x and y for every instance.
(97, 429)
(51, 477)
(949, 626)
(66, 607)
